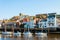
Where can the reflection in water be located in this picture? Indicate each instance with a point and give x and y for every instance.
(41, 34)
(27, 34)
(34, 37)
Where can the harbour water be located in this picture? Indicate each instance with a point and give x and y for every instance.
(33, 37)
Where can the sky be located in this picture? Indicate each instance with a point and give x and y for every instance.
(10, 8)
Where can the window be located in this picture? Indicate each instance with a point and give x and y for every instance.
(45, 26)
(52, 24)
(49, 24)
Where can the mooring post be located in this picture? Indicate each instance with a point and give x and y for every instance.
(13, 30)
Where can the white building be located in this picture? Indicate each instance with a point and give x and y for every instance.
(51, 20)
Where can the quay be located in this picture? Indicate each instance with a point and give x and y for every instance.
(33, 30)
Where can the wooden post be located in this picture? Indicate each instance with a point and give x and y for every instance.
(5, 28)
(13, 30)
(48, 30)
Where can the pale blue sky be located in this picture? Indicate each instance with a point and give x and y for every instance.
(10, 8)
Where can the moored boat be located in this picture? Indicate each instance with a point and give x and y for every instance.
(41, 34)
(27, 34)
(17, 34)
(7, 33)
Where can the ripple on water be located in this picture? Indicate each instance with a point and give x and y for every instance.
(49, 37)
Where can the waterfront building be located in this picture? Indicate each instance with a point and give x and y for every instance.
(10, 24)
(42, 20)
(27, 24)
(22, 16)
(47, 20)
(35, 21)
(26, 20)
(58, 20)
(51, 20)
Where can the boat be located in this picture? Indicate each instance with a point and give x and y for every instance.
(7, 33)
(17, 34)
(41, 34)
(27, 34)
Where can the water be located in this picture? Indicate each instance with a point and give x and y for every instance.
(34, 37)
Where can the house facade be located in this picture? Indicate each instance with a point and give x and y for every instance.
(51, 20)
(58, 21)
